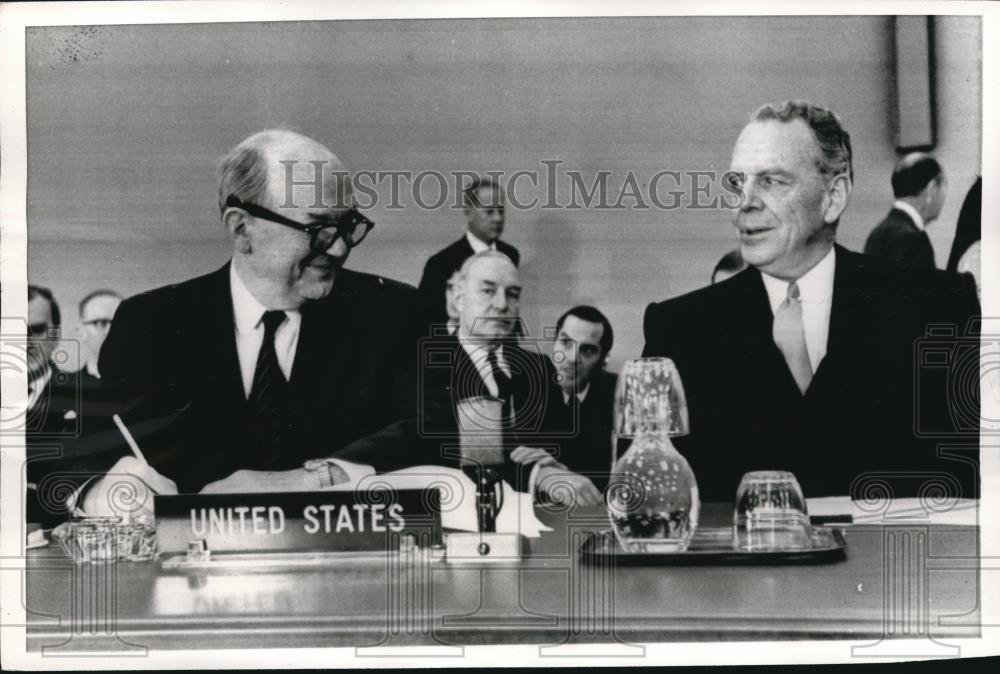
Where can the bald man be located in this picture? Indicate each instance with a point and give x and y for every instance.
(279, 356)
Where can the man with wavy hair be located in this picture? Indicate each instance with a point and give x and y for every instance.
(808, 359)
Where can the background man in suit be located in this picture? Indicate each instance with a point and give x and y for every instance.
(484, 212)
(97, 310)
(580, 352)
(280, 356)
(807, 360)
(483, 361)
(919, 187)
(52, 412)
(488, 362)
(65, 421)
(44, 325)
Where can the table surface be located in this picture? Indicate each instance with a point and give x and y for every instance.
(908, 579)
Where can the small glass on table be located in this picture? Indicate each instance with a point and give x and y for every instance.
(105, 540)
(770, 513)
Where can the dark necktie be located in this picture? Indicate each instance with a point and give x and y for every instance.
(504, 391)
(789, 335)
(267, 395)
(499, 376)
(573, 412)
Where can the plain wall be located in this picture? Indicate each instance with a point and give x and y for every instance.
(126, 125)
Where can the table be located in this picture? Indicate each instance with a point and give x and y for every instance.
(908, 579)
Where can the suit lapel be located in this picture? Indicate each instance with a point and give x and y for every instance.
(846, 322)
(215, 336)
(756, 318)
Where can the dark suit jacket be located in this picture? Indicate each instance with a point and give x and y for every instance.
(430, 436)
(68, 434)
(587, 447)
(897, 240)
(171, 354)
(869, 404)
(439, 269)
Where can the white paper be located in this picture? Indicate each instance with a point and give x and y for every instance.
(458, 499)
(962, 512)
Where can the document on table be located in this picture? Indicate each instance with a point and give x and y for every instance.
(963, 512)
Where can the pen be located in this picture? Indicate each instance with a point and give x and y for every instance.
(129, 439)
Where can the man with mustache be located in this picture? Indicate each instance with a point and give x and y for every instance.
(280, 356)
(809, 359)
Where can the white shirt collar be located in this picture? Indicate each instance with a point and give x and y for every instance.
(581, 395)
(816, 295)
(478, 354)
(36, 387)
(247, 309)
(910, 211)
(248, 314)
(479, 246)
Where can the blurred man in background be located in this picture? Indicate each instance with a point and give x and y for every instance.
(919, 187)
(97, 310)
(485, 218)
(64, 424)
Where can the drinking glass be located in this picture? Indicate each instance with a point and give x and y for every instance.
(770, 513)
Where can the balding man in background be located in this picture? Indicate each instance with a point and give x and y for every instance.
(918, 185)
(97, 310)
(279, 356)
(484, 211)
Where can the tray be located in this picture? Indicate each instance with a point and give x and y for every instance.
(714, 545)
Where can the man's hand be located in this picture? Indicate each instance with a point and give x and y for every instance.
(256, 481)
(525, 454)
(565, 487)
(126, 490)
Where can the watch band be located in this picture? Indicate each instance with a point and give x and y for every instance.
(327, 470)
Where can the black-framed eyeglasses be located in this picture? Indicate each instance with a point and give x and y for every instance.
(351, 225)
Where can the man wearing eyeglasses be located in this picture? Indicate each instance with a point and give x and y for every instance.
(43, 336)
(62, 421)
(809, 359)
(97, 310)
(280, 356)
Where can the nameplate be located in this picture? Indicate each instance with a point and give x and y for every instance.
(373, 520)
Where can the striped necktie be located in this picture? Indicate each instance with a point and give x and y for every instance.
(267, 395)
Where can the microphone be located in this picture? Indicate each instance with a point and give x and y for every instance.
(480, 427)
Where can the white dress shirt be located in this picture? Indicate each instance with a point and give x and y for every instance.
(910, 211)
(478, 354)
(581, 395)
(478, 246)
(816, 295)
(248, 315)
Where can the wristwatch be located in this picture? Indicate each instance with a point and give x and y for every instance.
(328, 472)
